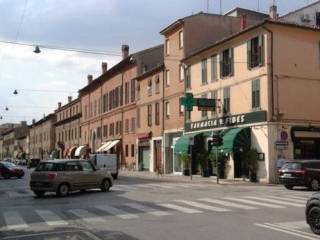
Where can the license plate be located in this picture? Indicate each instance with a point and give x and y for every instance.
(287, 174)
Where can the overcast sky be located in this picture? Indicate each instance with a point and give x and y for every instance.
(85, 24)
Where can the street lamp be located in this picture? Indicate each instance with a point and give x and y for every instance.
(37, 50)
(15, 92)
(7, 109)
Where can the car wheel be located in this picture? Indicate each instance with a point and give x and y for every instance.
(39, 194)
(314, 219)
(314, 185)
(289, 187)
(105, 186)
(63, 190)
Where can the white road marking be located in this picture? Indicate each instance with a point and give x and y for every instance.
(125, 187)
(51, 218)
(289, 199)
(166, 186)
(227, 203)
(117, 212)
(254, 202)
(203, 206)
(14, 220)
(265, 199)
(295, 225)
(179, 208)
(148, 210)
(87, 216)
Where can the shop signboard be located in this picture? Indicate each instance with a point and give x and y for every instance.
(227, 121)
(281, 145)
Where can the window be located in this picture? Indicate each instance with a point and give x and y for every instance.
(214, 68)
(167, 47)
(181, 107)
(99, 133)
(188, 77)
(149, 115)
(126, 94)
(181, 39)
(214, 95)
(133, 125)
(149, 87)
(71, 134)
(127, 150)
(79, 132)
(99, 106)
(132, 150)
(204, 114)
(120, 127)
(133, 90)
(116, 97)
(167, 109)
(256, 94)
(318, 19)
(157, 114)
(77, 109)
(95, 107)
(204, 73)
(121, 95)
(157, 85)
(188, 116)
(138, 118)
(255, 53)
(138, 91)
(105, 130)
(226, 63)
(117, 128)
(181, 73)
(111, 130)
(126, 129)
(226, 100)
(86, 166)
(167, 78)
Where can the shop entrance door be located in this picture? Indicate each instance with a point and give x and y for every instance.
(158, 157)
(144, 158)
(240, 169)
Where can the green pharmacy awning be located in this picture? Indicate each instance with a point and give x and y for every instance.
(182, 144)
(236, 139)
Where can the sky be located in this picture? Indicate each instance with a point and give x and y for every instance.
(44, 79)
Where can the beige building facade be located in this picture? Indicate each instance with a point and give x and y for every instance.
(264, 81)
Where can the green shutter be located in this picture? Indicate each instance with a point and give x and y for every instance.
(249, 54)
(261, 50)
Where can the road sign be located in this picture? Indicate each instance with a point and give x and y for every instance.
(188, 102)
(203, 104)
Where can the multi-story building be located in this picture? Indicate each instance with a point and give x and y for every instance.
(308, 15)
(1, 147)
(149, 120)
(109, 101)
(182, 38)
(67, 127)
(265, 83)
(10, 145)
(42, 138)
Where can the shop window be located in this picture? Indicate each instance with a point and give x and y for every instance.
(214, 68)
(256, 94)
(204, 72)
(149, 115)
(226, 100)
(226, 63)
(255, 53)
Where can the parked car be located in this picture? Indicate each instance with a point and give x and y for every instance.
(301, 173)
(313, 213)
(8, 170)
(65, 175)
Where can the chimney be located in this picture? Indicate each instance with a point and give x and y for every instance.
(59, 105)
(69, 99)
(125, 51)
(33, 121)
(273, 12)
(104, 67)
(243, 22)
(90, 79)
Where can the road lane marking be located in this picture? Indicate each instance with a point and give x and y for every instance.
(14, 220)
(87, 216)
(264, 199)
(203, 206)
(254, 202)
(148, 210)
(117, 212)
(51, 218)
(179, 208)
(166, 186)
(289, 199)
(125, 187)
(295, 224)
(227, 203)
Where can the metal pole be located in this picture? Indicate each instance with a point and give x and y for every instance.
(191, 162)
(217, 164)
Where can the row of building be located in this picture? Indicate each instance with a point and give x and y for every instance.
(263, 71)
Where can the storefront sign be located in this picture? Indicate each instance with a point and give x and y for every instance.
(281, 144)
(233, 120)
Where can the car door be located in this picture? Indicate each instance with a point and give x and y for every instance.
(88, 174)
(73, 175)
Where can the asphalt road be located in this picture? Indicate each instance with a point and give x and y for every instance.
(147, 209)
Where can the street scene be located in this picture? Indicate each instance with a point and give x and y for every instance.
(184, 119)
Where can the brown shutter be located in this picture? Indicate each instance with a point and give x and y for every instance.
(249, 54)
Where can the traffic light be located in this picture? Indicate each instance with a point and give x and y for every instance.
(215, 141)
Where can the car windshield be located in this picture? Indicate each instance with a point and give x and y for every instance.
(292, 166)
(9, 164)
(44, 167)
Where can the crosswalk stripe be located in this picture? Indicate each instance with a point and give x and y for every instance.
(148, 210)
(295, 225)
(264, 199)
(254, 202)
(14, 220)
(166, 186)
(289, 199)
(179, 185)
(203, 206)
(117, 212)
(227, 203)
(51, 218)
(305, 234)
(86, 216)
(126, 187)
(144, 186)
(299, 198)
(179, 208)
(15, 194)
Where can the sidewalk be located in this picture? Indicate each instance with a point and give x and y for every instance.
(195, 178)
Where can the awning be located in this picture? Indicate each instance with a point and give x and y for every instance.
(182, 144)
(104, 145)
(236, 139)
(79, 151)
(111, 145)
(72, 151)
